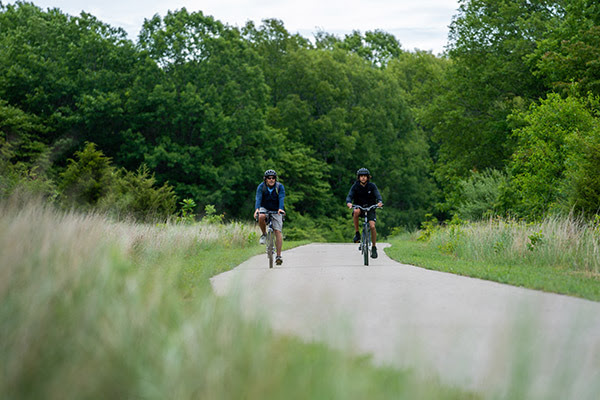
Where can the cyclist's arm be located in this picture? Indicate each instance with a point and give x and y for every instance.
(350, 197)
(258, 200)
(377, 195)
(281, 198)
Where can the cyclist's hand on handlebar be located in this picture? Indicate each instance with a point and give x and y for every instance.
(256, 214)
(349, 205)
(280, 211)
(380, 204)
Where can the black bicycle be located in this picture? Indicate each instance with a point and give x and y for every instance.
(270, 241)
(365, 241)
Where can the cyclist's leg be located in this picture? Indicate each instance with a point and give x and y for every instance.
(355, 216)
(278, 242)
(277, 227)
(262, 223)
(373, 232)
(372, 218)
(356, 213)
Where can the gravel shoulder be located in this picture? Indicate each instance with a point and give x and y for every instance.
(476, 334)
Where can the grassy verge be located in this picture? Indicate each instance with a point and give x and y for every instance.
(90, 308)
(556, 255)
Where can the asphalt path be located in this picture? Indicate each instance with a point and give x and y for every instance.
(470, 333)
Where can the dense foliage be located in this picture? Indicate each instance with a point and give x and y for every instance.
(506, 121)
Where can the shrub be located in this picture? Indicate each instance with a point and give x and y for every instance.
(480, 195)
(20, 179)
(187, 215)
(135, 194)
(88, 178)
(211, 215)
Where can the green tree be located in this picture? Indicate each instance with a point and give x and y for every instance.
(581, 186)
(350, 113)
(87, 178)
(24, 160)
(70, 72)
(481, 195)
(272, 43)
(377, 47)
(540, 165)
(567, 58)
(22, 131)
(487, 79)
(204, 126)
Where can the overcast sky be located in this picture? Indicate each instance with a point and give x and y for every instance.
(421, 24)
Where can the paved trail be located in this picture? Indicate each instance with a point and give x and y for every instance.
(468, 332)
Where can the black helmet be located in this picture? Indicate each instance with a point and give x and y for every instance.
(363, 171)
(270, 172)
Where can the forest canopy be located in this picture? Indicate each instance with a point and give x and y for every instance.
(505, 122)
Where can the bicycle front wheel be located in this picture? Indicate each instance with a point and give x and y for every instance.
(270, 248)
(365, 246)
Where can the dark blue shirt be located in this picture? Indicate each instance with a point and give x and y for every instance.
(271, 199)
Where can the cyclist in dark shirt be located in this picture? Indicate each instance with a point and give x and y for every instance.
(364, 193)
(270, 196)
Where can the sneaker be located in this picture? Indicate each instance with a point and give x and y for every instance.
(263, 239)
(373, 252)
(278, 260)
(356, 237)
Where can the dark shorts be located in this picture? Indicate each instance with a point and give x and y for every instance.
(371, 216)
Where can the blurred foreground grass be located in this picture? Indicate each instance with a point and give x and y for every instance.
(91, 308)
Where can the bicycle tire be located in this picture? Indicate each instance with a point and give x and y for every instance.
(365, 246)
(270, 247)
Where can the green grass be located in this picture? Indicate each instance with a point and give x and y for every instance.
(91, 308)
(556, 255)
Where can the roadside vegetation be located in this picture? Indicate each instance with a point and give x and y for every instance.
(93, 308)
(557, 254)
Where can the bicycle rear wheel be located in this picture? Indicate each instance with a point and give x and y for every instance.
(365, 246)
(270, 248)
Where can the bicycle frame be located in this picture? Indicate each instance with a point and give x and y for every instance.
(365, 242)
(270, 242)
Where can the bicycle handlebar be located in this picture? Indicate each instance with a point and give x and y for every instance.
(365, 208)
(268, 212)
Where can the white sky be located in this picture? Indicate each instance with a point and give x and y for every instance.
(420, 24)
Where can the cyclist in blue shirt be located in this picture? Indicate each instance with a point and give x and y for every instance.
(270, 195)
(364, 193)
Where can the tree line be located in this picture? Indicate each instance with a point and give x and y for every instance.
(505, 122)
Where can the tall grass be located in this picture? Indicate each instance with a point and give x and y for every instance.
(559, 255)
(90, 308)
(563, 242)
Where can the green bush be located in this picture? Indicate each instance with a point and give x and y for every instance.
(187, 215)
(135, 194)
(91, 182)
(20, 179)
(88, 178)
(479, 195)
(211, 215)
